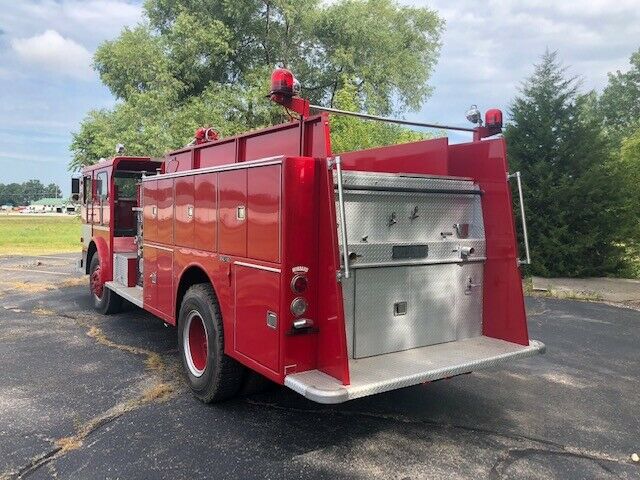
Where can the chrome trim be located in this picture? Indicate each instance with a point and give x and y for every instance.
(525, 234)
(343, 217)
(223, 168)
(418, 262)
(159, 247)
(257, 267)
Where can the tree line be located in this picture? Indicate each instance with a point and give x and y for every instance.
(579, 153)
(24, 193)
(207, 62)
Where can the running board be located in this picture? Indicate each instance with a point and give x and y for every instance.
(410, 367)
(132, 294)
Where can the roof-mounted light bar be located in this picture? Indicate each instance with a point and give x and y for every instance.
(285, 90)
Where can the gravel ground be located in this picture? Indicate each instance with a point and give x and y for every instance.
(84, 396)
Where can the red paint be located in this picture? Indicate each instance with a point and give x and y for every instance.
(503, 303)
(184, 211)
(427, 157)
(197, 337)
(256, 295)
(205, 211)
(150, 210)
(165, 211)
(232, 198)
(263, 213)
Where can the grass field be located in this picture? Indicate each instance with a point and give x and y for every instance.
(37, 235)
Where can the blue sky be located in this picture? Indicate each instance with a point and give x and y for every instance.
(47, 84)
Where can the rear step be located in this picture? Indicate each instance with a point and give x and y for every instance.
(410, 367)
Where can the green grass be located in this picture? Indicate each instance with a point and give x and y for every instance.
(38, 235)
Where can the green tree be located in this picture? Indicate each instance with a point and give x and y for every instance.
(620, 102)
(572, 195)
(350, 133)
(195, 62)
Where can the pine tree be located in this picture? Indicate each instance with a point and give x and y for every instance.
(572, 202)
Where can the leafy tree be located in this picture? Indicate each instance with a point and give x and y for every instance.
(350, 133)
(195, 62)
(572, 195)
(620, 102)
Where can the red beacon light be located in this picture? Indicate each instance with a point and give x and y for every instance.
(282, 82)
(285, 91)
(493, 121)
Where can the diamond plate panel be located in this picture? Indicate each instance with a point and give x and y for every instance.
(366, 179)
(383, 373)
(382, 217)
(441, 306)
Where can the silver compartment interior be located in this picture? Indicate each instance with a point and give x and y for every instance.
(395, 303)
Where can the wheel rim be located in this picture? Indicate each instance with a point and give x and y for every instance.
(95, 284)
(195, 344)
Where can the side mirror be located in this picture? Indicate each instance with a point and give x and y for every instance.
(75, 189)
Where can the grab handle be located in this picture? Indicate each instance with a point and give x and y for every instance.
(525, 234)
(343, 221)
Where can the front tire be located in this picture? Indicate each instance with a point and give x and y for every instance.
(104, 300)
(212, 375)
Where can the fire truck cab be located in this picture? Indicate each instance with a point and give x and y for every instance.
(337, 276)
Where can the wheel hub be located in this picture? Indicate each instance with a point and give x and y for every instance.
(195, 344)
(95, 284)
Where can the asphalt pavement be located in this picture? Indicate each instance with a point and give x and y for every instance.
(84, 396)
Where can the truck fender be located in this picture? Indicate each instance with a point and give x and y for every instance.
(102, 249)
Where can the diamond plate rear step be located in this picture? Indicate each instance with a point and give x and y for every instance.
(410, 367)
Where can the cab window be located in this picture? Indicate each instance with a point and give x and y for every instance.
(86, 190)
(102, 186)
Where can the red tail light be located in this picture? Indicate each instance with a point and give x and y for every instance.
(282, 82)
(299, 284)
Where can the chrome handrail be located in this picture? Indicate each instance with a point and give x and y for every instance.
(525, 233)
(343, 220)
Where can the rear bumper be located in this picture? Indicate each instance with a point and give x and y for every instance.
(403, 369)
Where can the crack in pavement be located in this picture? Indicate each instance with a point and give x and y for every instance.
(515, 454)
(549, 447)
(164, 385)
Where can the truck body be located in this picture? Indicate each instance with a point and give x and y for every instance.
(337, 276)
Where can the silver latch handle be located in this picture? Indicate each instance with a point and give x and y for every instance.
(523, 217)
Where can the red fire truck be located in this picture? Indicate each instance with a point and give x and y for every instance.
(337, 276)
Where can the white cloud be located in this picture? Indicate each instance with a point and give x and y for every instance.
(490, 47)
(88, 21)
(54, 53)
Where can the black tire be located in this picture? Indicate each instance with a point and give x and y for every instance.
(221, 377)
(110, 302)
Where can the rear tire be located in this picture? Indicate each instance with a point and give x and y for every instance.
(104, 300)
(212, 375)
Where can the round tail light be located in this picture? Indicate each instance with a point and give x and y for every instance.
(298, 306)
(299, 284)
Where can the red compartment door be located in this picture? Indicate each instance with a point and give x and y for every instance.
(257, 318)
(263, 213)
(232, 229)
(150, 210)
(184, 211)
